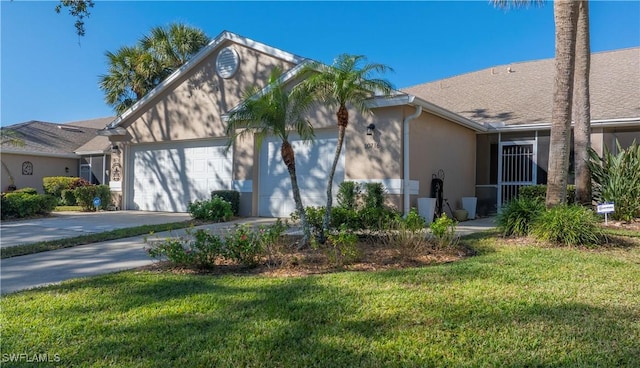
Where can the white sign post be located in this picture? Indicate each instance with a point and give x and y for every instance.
(606, 208)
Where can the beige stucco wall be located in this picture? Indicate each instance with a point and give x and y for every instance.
(438, 144)
(42, 167)
(192, 108)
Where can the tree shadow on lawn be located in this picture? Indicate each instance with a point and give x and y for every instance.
(214, 321)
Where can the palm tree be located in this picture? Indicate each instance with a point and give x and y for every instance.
(572, 27)
(174, 45)
(136, 70)
(276, 111)
(566, 21)
(349, 81)
(133, 72)
(582, 108)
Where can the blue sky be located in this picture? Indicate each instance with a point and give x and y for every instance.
(49, 74)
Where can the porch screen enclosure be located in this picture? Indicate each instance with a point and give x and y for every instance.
(516, 168)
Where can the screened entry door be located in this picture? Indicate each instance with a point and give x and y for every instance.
(516, 167)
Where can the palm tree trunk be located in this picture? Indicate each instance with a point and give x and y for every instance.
(288, 156)
(582, 108)
(343, 121)
(566, 19)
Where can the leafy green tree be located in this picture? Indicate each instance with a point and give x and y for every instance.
(349, 81)
(78, 9)
(276, 110)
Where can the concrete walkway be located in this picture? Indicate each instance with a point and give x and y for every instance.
(26, 272)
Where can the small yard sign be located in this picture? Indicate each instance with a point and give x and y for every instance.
(606, 208)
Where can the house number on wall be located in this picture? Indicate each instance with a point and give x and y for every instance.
(371, 146)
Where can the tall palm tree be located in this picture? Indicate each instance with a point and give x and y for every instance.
(582, 108)
(349, 81)
(136, 70)
(174, 45)
(574, 28)
(566, 21)
(276, 111)
(133, 72)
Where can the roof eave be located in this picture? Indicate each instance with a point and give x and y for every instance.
(600, 123)
(39, 154)
(408, 99)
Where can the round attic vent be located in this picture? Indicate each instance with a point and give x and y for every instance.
(227, 62)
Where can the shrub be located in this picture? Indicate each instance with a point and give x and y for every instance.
(517, 217)
(231, 196)
(21, 205)
(348, 194)
(243, 245)
(540, 192)
(342, 249)
(272, 244)
(27, 190)
(378, 218)
(414, 221)
(348, 217)
(405, 236)
(568, 225)
(54, 185)
(215, 209)
(374, 195)
(616, 178)
(201, 249)
(69, 197)
(443, 230)
(86, 194)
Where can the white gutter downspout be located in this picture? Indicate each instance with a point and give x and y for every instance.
(406, 185)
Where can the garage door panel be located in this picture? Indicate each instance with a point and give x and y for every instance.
(313, 162)
(167, 178)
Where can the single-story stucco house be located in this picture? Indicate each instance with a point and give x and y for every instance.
(41, 149)
(170, 144)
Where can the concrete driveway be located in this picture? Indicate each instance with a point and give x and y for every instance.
(34, 270)
(70, 224)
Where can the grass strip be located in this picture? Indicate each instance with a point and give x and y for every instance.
(623, 232)
(22, 250)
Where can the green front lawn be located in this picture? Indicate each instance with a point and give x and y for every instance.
(512, 305)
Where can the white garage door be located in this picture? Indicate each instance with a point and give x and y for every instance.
(313, 162)
(166, 177)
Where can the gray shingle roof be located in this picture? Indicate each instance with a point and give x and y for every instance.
(54, 139)
(523, 95)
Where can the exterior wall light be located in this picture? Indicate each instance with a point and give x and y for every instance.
(370, 129)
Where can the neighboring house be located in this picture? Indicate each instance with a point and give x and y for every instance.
(514, 102)
(42, 149)
(171, 143)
